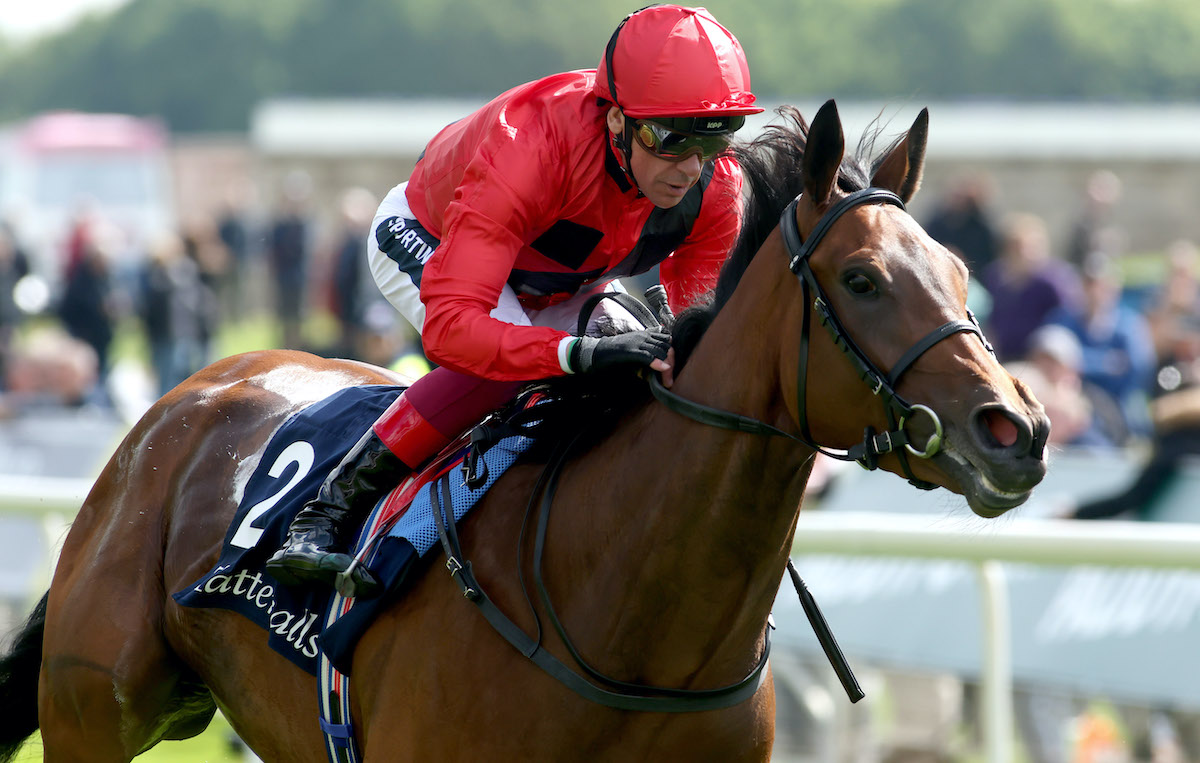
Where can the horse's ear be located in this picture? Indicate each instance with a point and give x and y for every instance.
(823, 152)
(901, 170)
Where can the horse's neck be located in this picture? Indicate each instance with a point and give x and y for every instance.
(707, 514)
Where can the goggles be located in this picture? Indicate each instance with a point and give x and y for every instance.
(664, 138)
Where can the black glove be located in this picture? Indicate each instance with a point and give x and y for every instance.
(634, 347)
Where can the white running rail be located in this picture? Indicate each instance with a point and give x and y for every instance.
(53, 500)
(988, 545)
(40, 496)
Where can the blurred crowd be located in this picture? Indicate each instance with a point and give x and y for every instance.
(1101, 354)
(61, 332)
(1101, 351)
(1115, 359)
(1109, 342)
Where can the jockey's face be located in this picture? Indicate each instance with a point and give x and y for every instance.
(661, 181)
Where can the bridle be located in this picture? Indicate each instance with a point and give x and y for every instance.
(611, 692)
(898, 410)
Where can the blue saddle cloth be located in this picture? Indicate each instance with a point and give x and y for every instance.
(295, 462)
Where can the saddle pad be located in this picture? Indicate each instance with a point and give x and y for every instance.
(393, 549)
(296, 460)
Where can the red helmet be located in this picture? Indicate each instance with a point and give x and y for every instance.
(667, 60)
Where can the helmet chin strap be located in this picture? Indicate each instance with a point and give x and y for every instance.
(622, 146)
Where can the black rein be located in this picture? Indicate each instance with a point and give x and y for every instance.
(623, 696)
(628, 696)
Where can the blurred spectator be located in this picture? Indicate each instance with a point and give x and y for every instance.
(388, 343)
(288, 257)
(213, 264)
(1026, 285)
(1174, 319)
(1080, 415)
(351, 282)
(48, 368)
(1097, 738)
(80, 237)
(87, 305)
(1175, 409)
(963, 224)
(233, 228)
(1118, 352)
(1095, 230)
(14, 265)
(175, 306)
(1177, 438)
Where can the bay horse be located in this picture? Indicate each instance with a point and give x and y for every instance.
(669, 537)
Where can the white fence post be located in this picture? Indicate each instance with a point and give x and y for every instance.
(997, 707)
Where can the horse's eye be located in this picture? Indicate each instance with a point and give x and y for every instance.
(859, 283)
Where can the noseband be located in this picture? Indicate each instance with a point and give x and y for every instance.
(899, 411)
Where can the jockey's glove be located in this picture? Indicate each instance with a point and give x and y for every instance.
(632, 348)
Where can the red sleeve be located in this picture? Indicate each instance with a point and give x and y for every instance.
(514, 173)
(691, 270)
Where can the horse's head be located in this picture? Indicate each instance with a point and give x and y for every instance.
(892, 302)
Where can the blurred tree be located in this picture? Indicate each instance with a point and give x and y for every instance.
(203, 64)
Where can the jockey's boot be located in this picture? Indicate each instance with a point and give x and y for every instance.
(315, 552)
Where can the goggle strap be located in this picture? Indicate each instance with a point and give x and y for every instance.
(608, 58)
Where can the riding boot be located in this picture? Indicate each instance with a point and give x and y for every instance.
(315, 548)
(315, 552)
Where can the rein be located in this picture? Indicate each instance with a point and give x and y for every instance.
(898, 410)
(622, 695)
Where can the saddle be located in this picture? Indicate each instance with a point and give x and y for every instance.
(398, 531)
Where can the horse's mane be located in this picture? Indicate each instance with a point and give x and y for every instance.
(771, 169)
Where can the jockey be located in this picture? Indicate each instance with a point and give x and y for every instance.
(513, 217)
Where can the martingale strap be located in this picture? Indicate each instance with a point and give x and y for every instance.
(624, 696)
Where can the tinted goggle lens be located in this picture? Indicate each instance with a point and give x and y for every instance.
(677, 146)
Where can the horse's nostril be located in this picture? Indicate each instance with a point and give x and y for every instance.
(1041, 433)
(1001, 428)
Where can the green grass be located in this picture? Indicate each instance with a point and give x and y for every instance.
(259, 332)
(213, 746)
(1139, 269)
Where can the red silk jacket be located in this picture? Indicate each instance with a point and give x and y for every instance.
(527, 192)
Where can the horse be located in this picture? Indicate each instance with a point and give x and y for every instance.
(669, 538)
